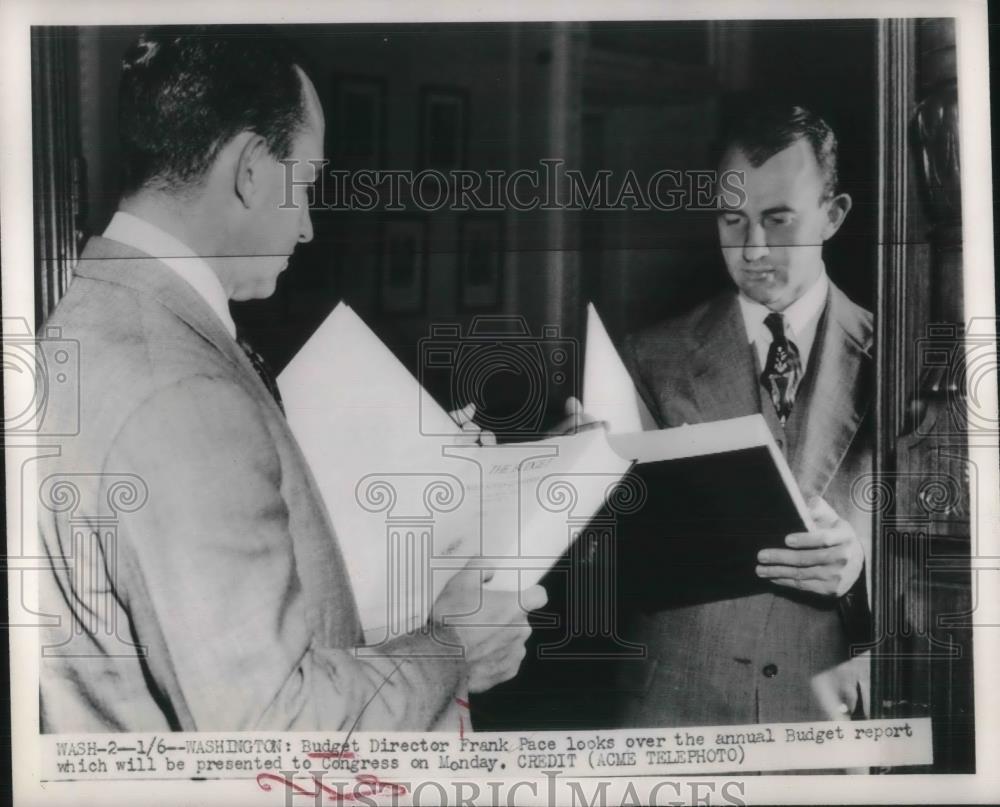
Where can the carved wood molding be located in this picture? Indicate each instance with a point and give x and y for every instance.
(922, 661)
(897, 99)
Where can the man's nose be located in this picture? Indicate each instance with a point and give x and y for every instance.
(755, 244)
(305, 225)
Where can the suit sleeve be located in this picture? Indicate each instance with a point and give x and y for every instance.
(212, 582)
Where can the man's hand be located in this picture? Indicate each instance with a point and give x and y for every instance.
(826, 561)
(492, 626)
(471, 432)
(576, 420)
(844, 689)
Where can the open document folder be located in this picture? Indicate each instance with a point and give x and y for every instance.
(410, 500)
(714, 493)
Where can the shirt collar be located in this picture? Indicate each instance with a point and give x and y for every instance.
(798, 316)
(140, 234)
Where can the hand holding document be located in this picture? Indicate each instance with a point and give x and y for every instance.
(411, 501)
(494, 656)
(536, 498)
(716, 493)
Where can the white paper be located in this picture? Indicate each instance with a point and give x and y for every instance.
(410, 500)
(356, 413)
(609, 394)
(537, 497)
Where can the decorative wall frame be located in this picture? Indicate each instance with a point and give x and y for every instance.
(402, 265)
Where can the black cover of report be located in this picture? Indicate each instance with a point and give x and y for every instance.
(714, 495)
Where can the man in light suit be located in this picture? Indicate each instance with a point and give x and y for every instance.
(220, 601)
(787, 343)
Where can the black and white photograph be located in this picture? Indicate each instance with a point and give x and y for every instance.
(543, 405)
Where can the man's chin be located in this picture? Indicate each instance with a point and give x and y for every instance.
(760, 293)
(266, 288)
(261, 291)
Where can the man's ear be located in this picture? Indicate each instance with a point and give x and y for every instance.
(249, 168)
(837, 209)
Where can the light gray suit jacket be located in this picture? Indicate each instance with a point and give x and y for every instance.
(195, 576)
(751, 659)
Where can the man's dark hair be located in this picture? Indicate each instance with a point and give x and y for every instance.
(187, 91)
(766, 130)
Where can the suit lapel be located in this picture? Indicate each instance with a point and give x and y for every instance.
(839, 396)
(724, 382)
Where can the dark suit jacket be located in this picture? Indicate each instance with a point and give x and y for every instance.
(751, 658)
(195, 575)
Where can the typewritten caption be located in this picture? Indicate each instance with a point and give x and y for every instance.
(383, 760)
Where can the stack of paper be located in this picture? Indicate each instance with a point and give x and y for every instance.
(410, 499)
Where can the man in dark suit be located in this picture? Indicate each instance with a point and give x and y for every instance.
(787, 343)
(221, 600)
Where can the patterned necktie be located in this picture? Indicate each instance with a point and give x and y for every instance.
(783, 368)
(263, 371)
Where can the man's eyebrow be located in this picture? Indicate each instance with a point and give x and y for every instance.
(778, 209)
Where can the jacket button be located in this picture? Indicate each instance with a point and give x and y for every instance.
(770, 670)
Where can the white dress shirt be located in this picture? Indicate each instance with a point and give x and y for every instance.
(801, 321)
(145, 237)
